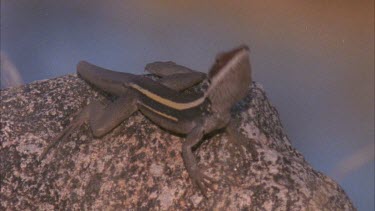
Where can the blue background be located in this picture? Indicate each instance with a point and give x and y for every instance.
(314, 58)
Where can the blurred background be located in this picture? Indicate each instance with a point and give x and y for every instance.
(315, 60)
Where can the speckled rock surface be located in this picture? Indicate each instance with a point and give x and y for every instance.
(139, 166)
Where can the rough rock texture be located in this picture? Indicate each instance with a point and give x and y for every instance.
(139, 166)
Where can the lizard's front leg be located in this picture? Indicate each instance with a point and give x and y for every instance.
(101, 118)
(240, 141)
(200, 179)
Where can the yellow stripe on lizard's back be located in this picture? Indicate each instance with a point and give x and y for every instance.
(160, 113)
(168, 102)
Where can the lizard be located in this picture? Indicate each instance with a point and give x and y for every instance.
(164, 103)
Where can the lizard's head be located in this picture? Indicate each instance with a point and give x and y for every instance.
(230, 78)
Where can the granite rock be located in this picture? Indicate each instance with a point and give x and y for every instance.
(138, 166)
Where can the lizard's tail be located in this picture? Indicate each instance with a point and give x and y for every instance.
(106, 80)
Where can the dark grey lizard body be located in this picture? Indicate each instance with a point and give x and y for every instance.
(163, 102)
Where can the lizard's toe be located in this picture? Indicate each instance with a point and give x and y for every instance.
(203, 182)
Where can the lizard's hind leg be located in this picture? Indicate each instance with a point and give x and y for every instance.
(180, 82)
(101, 118)
(163, 69)
(175, 76)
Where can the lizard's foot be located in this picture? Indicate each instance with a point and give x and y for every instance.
(201, 180)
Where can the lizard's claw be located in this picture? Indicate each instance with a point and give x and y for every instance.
(203, 181)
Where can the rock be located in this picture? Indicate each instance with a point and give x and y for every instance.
(139, 166)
